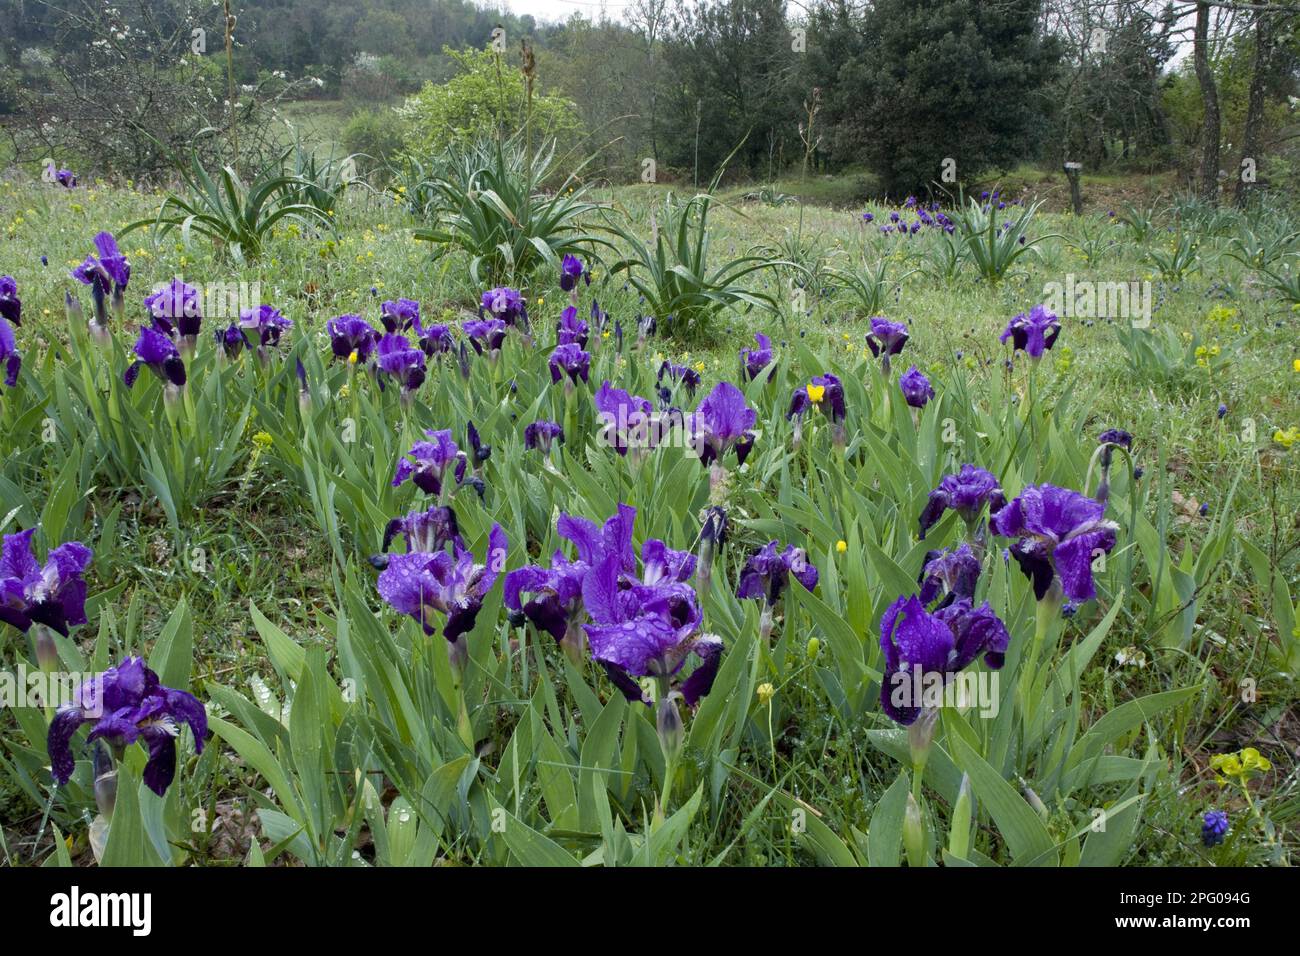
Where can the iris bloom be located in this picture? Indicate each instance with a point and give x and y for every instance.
(53, 594)
(159, 353)
(452, 584)
(175, 308)
(625, 418)
(920, 646)
(724, 422)
(950, 574)
(232, 340)
(916, 388)
(398, 315)
(11, 307)
(352, 338)
(430, 463)
(756, 359)
(486, 335)
(1032, 333)
(571, 270)
(679, 374)
(571, 361)
(433, 339)
(541, 435)
(66, 178)
(399, 360)
(571, 330)
(886, 339)
(429, 530)
(127, 703)
(966, 492)
(10, 358)
(107, 274)
(767, 572)
(1058, 533)
(267, 322)
(505, 304)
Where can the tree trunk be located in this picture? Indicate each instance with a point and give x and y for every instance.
(1209, 184)
(1255, 106)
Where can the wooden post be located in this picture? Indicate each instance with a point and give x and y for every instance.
(1076, 197)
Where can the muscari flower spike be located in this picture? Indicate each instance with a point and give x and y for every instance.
(1058, 532)
(1032, 333)
(1214, 827)
(159, 354)
(128, 703)
(53, 594)
(966, 492)
(917, 643)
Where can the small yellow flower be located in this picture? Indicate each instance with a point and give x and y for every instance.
(1287, 438)
(262, 441)
(1295, 365)
(765, 692)
(841, 546)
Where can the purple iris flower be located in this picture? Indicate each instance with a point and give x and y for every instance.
(830, 400)
(951, 574)
(107, 271)
(10, 357)
(756, 359)
(1058, 531)
(571, 330)
(53, 594)
(767, 572)
(505, 304)
(398, 315)
(552, 597)
(232, 340)
(639, 629)
(11, 307)
(399, 360)
(541, 435)
(1032, 333)
(428, 531)
(428, 463)
(886, 338)
(1116, 436)
(66, 178)
(486, 335)
(680, 374)
(267, 322)
(572, 361)
(1214, 827)
(916, 388)
(453, 584)
(155, 350)
(571, 270)
(722, 422)
(127, 703)
(966, 492)
(175, 308)
(352, 338)
(434, 338)
(918, 644)
(625, 419)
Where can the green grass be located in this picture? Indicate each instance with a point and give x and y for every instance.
(262, 544)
